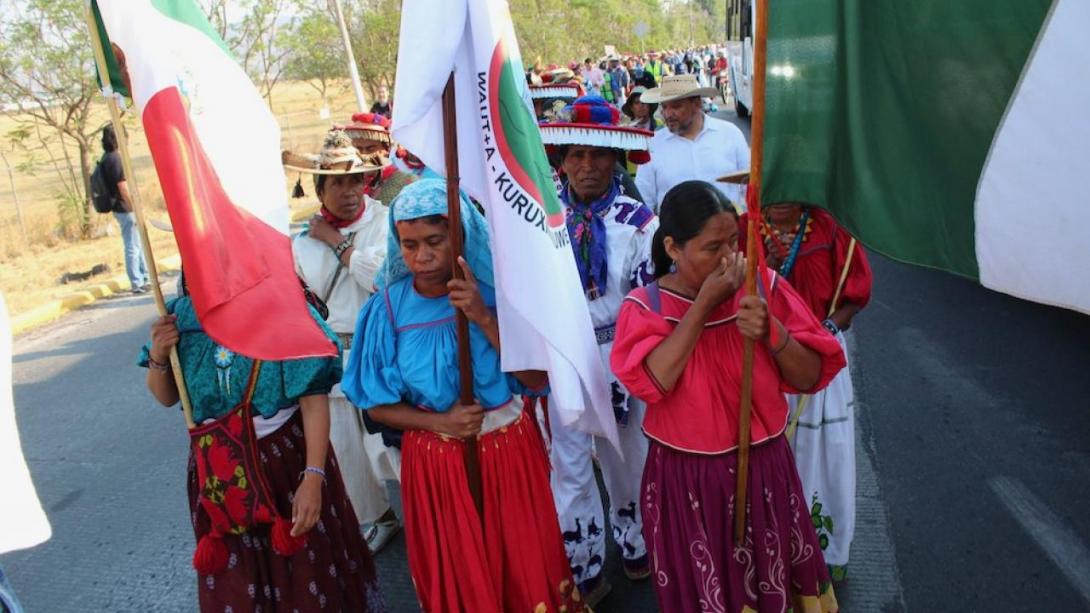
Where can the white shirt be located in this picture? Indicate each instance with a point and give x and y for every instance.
(718, 149)
(316, 263)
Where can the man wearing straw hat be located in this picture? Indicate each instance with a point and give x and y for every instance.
(694, 145)
(611, 234)
(338, 257)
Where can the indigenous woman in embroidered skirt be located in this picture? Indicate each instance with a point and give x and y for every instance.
(333, 571)
(679, 347)
(404, 369)
(831, 274)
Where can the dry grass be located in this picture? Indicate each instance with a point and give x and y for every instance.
(30, 267)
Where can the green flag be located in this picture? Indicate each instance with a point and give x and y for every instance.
(949, 134)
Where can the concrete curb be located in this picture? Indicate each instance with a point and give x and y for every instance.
(55, 308)
(52, 310)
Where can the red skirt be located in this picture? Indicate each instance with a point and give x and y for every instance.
(334, 572)
(516, 563)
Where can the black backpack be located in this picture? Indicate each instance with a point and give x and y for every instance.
(102, 196)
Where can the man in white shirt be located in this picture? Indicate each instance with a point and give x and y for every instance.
(694, 145)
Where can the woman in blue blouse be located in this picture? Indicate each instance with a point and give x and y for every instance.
(290, 408)
(404, 370)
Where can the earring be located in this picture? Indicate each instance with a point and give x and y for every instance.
(673, 265)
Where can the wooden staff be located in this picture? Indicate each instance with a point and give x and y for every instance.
(137, 206)
(757, 151)
(454, 223)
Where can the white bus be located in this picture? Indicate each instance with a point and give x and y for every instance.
(741, 17)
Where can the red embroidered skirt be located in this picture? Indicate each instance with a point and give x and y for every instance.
(334, 572)
(516, 562)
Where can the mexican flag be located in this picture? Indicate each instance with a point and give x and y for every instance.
(543, 315)
(216, 148)
(949, 134)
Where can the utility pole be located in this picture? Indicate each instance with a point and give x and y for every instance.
(353, 71)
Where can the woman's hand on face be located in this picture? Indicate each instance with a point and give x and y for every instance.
(723, 282)
(463, 421)
(465, 295)
(306, 506)
(322, 230)
(753, 317)
(164, 336)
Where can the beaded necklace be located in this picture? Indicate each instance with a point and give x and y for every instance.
(772, 235)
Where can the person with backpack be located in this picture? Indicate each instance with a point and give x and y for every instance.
(110, 194)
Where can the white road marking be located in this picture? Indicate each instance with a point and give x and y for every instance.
(1054, 536)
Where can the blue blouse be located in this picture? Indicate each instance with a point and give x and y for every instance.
(216, 377)
(406, 350)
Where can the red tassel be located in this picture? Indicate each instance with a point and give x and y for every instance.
(639, 157)
(263, 515)
(211, 555)
(283, 542)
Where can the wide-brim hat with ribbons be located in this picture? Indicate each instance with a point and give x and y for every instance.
(590, 121)
(369, 126)
(557, 75)
(337, 157)
(569, 90)
(677, 87)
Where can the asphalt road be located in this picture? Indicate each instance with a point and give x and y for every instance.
(974, 460)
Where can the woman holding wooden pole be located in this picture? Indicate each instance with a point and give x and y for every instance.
(679, 347)
(505, 554)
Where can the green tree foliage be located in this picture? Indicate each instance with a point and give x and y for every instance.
(47, 76)
(315, 51)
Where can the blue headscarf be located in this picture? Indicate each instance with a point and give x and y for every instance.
(425, 198)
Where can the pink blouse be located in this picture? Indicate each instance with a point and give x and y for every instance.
(700, 415)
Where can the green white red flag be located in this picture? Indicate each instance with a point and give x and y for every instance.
(216, 148)
(947, 134)
(543, 315)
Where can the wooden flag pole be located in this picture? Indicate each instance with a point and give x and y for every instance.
(454, 222)
(760, 46)
(137, 206)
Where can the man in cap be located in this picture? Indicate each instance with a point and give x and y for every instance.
(618, 80)
(694, 145)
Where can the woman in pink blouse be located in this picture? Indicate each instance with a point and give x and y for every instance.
(679, 348)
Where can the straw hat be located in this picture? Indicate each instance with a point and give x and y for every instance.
(593, 122)
(369, 126)
(676, 87)
(738, 177)
(569, 90)
(337, 157)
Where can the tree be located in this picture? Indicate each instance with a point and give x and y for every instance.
(315, 52)
(374, 26)
(47, 74)
(260, 39)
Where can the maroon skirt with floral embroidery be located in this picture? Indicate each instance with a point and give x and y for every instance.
(688, 523)
(334, 572)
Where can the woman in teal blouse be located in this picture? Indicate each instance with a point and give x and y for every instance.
(290, 410)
